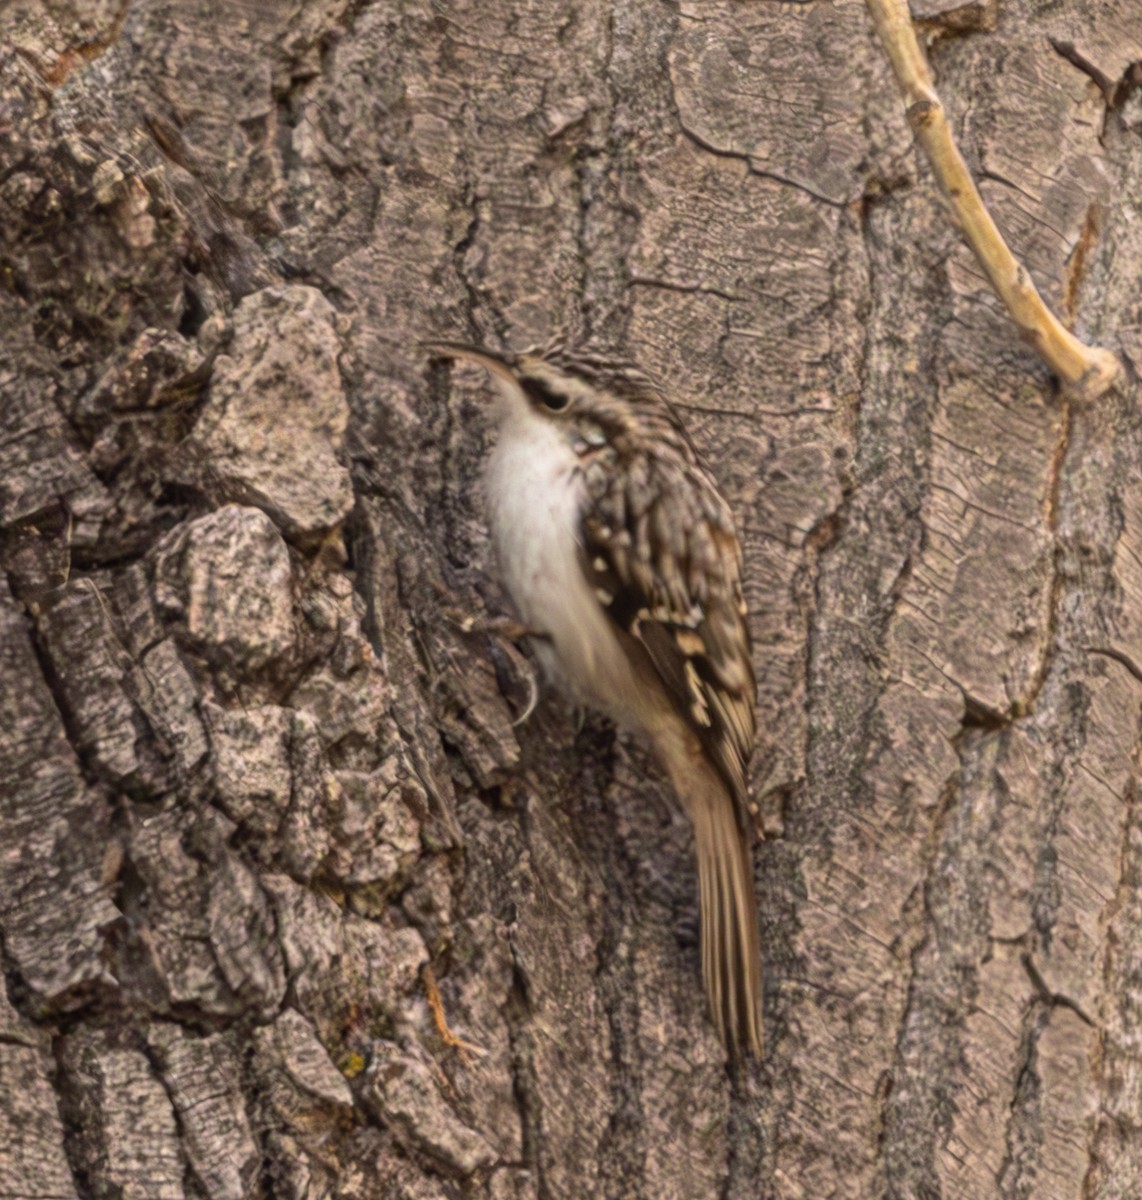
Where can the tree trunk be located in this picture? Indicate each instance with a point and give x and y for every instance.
(267, 829)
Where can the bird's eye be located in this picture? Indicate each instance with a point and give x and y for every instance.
(539, 393)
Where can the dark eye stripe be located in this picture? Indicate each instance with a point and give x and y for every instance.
(539, 393)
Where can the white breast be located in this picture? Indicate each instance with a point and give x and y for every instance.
(535, 497)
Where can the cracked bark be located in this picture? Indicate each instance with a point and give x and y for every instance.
(252, 779)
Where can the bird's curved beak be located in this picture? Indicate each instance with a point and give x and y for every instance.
(460, 352)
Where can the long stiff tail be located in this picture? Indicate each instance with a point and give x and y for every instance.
(731, 959)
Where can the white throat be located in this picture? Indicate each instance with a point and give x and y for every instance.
(535, 496)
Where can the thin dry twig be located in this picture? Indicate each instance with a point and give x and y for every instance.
(436, 1006)
(1087, 370)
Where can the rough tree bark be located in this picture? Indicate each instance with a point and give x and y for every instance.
(252, 781)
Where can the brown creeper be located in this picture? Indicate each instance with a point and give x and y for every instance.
(616, 544)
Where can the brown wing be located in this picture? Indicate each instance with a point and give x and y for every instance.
(662, 554)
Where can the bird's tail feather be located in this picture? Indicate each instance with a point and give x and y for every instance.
(731, 959)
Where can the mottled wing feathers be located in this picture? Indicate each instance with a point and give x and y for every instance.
(662, 555)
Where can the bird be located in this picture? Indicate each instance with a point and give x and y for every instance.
(620, 552)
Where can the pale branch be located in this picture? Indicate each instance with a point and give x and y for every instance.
(1087, 370)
